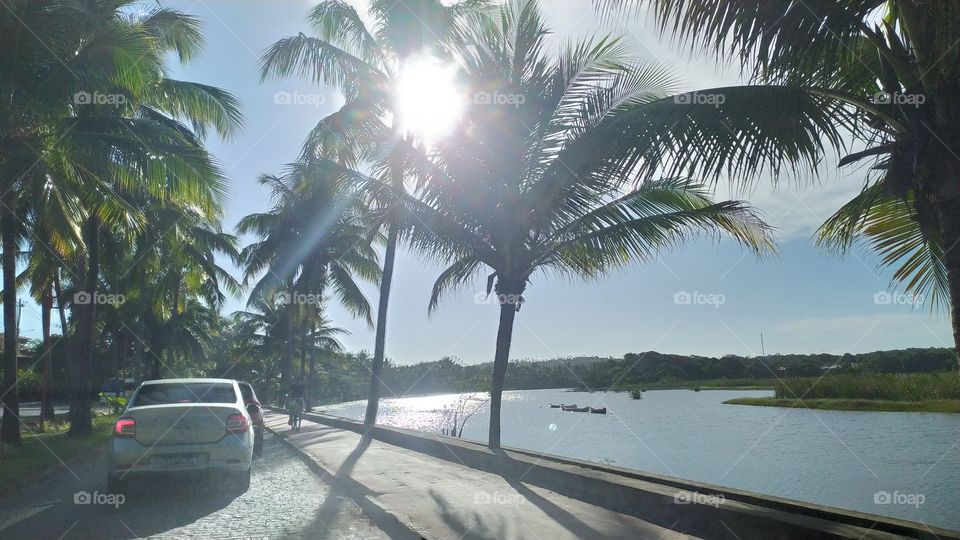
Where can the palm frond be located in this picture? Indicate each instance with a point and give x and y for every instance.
(889, 226)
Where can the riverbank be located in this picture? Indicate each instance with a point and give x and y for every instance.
(940, 406)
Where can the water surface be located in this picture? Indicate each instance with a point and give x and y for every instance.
(836, 458)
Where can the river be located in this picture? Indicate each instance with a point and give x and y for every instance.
(904, 465)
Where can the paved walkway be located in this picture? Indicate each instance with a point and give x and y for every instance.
(285, 501)
(440, 499)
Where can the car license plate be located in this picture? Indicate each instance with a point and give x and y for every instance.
(169, 462)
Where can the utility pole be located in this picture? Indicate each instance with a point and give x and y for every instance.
(19, 314)
(763, 350)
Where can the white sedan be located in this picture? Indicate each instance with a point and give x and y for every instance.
(177, 425)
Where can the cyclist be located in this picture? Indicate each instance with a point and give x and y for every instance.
(295, 400)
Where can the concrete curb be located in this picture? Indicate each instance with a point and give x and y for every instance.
(653, 497)
(394, 523)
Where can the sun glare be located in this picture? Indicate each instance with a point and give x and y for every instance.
(428, 99)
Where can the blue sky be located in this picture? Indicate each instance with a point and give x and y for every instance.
(706, 298)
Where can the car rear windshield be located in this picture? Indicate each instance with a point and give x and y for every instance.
(247, 392)
(198, 392)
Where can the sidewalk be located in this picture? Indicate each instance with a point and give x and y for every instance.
(440, 499)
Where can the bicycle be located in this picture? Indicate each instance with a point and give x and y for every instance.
(295, 410)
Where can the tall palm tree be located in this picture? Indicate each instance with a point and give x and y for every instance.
(53, 219)
(365, 65)
(62, 50)
(314, 240)
(184, 245)
(58, 128)
(893, 67)
(168, 119)
(555, 182)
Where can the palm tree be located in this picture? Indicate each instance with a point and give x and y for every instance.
(184, 245)
(545, 185)
(57, 129)
(365, 65)
(892, 66)
(314, 240)
(52, 218)
(62, 51)
(171, 162)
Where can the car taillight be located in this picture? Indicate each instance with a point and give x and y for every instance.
(237, 423)
(125, 427)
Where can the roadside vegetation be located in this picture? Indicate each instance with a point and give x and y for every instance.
(46, 452)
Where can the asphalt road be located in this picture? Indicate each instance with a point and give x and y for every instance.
(285, 500)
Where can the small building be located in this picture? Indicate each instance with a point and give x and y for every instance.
(22, 354)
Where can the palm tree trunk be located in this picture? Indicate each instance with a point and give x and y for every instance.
(138, 344)
(46, 406)
(10, 430)
(950, 226)
(303, 347)
(386, 279)
(62, 312)
(168, 347)
(380, 343)
(155, 369)
(508, 312)
(80, 418)
(286, 363)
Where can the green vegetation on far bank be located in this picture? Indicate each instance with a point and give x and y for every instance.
(39, 453)
(927, 392)
(710, 384)
(913, 387)
(941, 406)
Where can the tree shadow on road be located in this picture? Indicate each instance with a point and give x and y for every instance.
(340, 487)
(157, 506)
(470, 524)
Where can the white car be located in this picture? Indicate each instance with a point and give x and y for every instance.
(176, 425)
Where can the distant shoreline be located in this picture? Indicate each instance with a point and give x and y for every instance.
(938, 406)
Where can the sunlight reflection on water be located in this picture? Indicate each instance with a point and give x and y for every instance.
(827, 457)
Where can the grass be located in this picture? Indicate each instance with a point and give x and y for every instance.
(918, 392)
(41, 453)
(913, 387)
(942, 406)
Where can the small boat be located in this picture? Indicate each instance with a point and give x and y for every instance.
(582, 409)
(569, 408)
(598, 411)
(552, 406)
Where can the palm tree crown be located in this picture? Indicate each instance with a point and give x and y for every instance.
(540, 184)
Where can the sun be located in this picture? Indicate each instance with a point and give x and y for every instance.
(429, 101)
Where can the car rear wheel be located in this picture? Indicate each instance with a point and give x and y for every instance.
(241, 481)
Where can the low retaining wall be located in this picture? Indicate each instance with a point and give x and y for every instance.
(691, 507)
